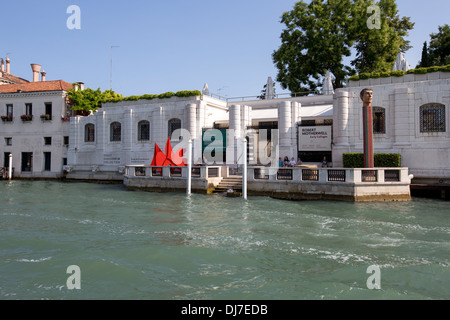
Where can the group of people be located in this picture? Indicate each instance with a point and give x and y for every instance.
(292, 163)
(287, 163)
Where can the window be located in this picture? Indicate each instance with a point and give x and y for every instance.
(89, 133)
(379, 120)
(6, 159)
(48, 141)
(48, 110)
(143, 130)
(8, 141)
(47, 161)
(64, 161)
(28, 109)
(174, 124)
(9, 111)
(432, 118)
(27, 161)
(66, 140)
(115, 131)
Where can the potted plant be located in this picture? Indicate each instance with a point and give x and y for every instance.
(45, 116)
(26, 117)
(65, 118)
(6, 118)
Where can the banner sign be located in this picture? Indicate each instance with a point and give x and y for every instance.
(314, 138)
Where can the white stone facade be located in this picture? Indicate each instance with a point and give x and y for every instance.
(90, 157)
(421, 136)
(102, 158)
(38, 146)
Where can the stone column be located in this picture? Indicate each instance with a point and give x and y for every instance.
(191, 118)
(340, 127)
(234, 134)
(285, 128)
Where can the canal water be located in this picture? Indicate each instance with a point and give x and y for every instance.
(139, 245)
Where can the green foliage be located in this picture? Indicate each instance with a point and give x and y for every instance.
(188, 93)
(88, 99)
(439, 51)
(381, 160)
(377, 49)
(399, 73)
(320, 34)
(166, 95)
(364, 76)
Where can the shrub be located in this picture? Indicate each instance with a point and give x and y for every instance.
(398, 73)
(420, 71)
(386, 160)
(364, 76)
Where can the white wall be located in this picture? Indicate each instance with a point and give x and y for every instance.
(426, 154)
(29, 136)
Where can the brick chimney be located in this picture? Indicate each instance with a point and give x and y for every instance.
(8, 66)
(43, 73)
(36, 68)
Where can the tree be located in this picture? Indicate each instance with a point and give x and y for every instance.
(315, 40)
(90, 100)
(439, 51)
(377, 48)
(425, 61)
(320, 35)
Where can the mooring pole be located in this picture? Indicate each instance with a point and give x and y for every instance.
(189, 177)
(10, 166)
(244, 171)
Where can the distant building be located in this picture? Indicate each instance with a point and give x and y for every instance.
(34, 126)
(5, 74)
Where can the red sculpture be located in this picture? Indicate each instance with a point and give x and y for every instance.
(169, 158)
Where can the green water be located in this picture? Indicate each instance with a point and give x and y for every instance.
(139, 245)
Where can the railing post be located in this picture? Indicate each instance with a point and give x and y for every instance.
(10, 166)
(189, 177)
(244, 171)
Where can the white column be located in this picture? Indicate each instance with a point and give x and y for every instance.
(285, 129)
(244, 170)
(341, 115)
(189, 176)
(10, 166)
(235, 128)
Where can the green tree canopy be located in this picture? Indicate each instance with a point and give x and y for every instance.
(439, 51)
(89, 99)
(320, 35)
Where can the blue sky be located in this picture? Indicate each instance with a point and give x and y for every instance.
(168, 45)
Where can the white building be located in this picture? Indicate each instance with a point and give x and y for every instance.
(125, 133)
(34, 127)
(411, 117)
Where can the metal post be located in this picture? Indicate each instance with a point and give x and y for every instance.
(10, 166)
(189, 177)
(244, 171)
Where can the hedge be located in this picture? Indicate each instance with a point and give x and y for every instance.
(165, 95)
(399, 73)
(381, 160)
